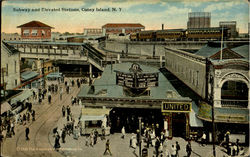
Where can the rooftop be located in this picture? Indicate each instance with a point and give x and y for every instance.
(123, 25)
(106, 87)
(34, 24)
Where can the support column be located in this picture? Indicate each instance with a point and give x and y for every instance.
(187, 126)
(168, 124)
(90, 71)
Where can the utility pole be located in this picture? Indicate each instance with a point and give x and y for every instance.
(43, 75)
(139, 137)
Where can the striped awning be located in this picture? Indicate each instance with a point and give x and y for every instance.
(5, 107)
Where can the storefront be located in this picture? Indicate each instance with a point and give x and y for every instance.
(176, 120)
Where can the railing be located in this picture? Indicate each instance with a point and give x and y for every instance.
(234, 103)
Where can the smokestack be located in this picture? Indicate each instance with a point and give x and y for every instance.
(162, 26)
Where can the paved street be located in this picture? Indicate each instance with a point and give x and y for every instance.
(49, 116)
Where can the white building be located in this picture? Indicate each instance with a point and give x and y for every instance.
(10, 67)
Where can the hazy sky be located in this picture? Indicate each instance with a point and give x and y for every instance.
(150, 13)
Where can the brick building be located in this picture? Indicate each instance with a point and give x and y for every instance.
(35, 30)
(125, 28)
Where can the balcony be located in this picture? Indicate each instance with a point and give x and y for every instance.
(234, 103)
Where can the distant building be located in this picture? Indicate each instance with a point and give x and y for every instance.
(125, 28)
(10, 69)
(199, 20)
(35, 30)
(10, 36)
(93, 31)
(232, 30)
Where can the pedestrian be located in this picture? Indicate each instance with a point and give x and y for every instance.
(27, 131)
(57, 143)
(80, 102)
(107, 148)
(61, 93)
(24, 119)
(178, 148)
(33, 115)
(157, 145)
(63, 111)
(173, 151)
(188, 149)
(103, 133)
(91, 139)
(68, 110)
(49, 97)
(28, 116)
(203, 139)
(123, 132)
(63, 135)
(237, 145)
(95, 136)
(12, 127)
(234, 150)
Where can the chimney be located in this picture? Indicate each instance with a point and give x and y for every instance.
(162, 26)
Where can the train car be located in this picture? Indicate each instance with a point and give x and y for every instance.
(133, 36)
(213, 33)
(146, 36)
(170, 34)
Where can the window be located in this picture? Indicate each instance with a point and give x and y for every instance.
(15, 82)
(43, 32)
(26, 32)
(34, 32)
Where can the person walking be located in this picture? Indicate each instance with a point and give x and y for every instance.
(33, 115)
(107, 148)
(203, 139)
(12, 128)
(173, 152)
(57, 143)
(188, 149)
(63, 111)
(27, 131)
(123, 132)
(178, 148)
(63, 135)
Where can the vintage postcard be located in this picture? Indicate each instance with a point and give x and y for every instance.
(123, 78)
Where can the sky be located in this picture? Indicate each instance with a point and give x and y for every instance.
(150, 13)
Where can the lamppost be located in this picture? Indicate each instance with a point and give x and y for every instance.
(139, 136)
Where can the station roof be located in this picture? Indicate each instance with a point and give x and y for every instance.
(28, 75)
(243, 51)
(34, 24)
(112, 25)
(106, 87)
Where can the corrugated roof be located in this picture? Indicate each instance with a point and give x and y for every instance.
(34, 24)
(123, 25)
(243, 51)
(208, 51)
(28, 75)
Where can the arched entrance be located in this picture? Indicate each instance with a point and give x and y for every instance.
(234, 94)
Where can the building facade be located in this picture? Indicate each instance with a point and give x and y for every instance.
(231, 26)
(10, 67)
(10, 36)
(93, 31)
(222, 77)
(199, 20)
(35, 30)
(125, 28)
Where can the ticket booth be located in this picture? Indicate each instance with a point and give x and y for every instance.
(176, 121)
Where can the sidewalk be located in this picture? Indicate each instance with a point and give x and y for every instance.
(120, 147)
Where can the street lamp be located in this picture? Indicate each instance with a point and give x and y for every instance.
(139, 136)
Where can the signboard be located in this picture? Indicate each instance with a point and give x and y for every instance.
(136, 78)
(176, 107)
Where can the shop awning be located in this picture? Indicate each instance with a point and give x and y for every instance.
(95, 111)
(5, 107)
(54, 75)
(23, 96)
(91, 114)
(194, 121)
(27, 75)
